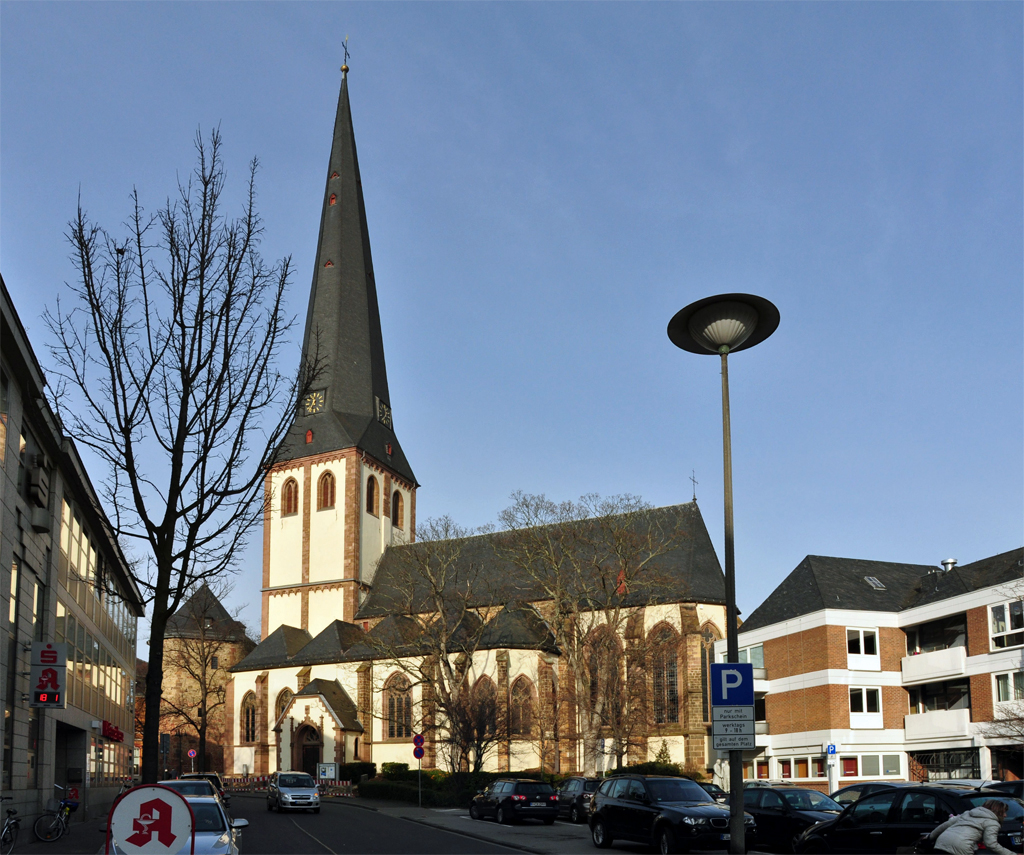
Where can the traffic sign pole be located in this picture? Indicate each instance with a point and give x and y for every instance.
(417, 752)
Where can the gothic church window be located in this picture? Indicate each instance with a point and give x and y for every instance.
(520, 707)
(248, 717)
(398, 704)
(325, 491)
(372, 499)
(708, 636)
(665, 674)
(290, 498)
(283, 700)
(483, 707)
(397, 510)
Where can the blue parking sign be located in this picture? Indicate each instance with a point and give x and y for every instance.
(732, 684)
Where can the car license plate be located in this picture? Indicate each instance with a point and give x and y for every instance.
(1015, 839)
(723, 836)
(537, 804)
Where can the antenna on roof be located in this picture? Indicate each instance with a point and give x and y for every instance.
(693, 478)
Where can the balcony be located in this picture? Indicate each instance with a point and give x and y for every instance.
(939, 724)
(934, 666)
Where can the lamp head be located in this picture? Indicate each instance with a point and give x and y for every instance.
(723, 324)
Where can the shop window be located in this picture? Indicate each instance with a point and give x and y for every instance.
(762, 768)
(891, 764)
(786, 768)
(869, 766)
(801, 768)
(818, 767)
(1008, 624)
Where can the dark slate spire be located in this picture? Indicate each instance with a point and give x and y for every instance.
(343, 323)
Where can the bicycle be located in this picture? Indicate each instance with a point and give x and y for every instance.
(53, 824)
(9, 836)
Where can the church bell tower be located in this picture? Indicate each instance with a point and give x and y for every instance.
(342, 489)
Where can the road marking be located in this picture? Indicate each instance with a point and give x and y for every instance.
(300, 828)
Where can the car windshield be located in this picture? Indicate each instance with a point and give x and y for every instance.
(191, 788)
(809, 800)
(590, 786)
(534, 789)
(208, 817)
(676, 790)
(1014, 807)
(295, 781)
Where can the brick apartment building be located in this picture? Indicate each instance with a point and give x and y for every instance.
(913, 672)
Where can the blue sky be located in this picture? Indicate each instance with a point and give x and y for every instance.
(546, 184)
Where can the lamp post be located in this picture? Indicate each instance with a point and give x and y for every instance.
(725, 324)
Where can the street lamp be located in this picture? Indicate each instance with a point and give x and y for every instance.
(723, 325)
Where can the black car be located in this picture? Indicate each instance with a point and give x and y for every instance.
(1014, 788)
(894, 820)
(574, 797)
(214, 779)
(715, 791)
(509, 800)
(782, 813)
(673, 814)
(848, 795)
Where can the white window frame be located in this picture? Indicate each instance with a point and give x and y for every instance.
(746, 654)
(1009, 630)
(881, 755)
(1014, 686)
(866, 720)
(863, 661)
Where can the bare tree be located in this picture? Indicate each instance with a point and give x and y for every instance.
(442, 596)
(202, 644)
(596, 563)
(172, 345)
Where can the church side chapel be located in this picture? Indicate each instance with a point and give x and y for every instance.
(575, 637)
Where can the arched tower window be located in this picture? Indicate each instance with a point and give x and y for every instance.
(372, 497)
(290, 497)
(248, 718)
(283, 700)
(665, 674)
(397, 510)
(708, 636)
(325, 491)
(398, 704)
(521, 707)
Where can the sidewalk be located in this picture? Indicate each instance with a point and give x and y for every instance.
(83, 838)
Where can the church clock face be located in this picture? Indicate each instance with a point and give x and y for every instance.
(384, 414)
(314, 402)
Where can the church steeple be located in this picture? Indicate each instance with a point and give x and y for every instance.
(349, 406)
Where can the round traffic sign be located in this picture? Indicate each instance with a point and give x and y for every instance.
(150, 819)
(191, 752)
(418, 752)
(417, 740)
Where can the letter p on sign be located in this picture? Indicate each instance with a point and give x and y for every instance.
(732, 684)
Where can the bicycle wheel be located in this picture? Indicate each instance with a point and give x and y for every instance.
(48, 827)
(10, 837)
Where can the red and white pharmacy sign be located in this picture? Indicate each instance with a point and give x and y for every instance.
(152, 819)
(47, 675)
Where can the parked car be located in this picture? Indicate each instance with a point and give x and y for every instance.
(574, 797)
(782, 813)
(715, 791)
(1014, 788)
(215, 833)
(848, 795)
(192, 788)
(292, 791)
(894, 819)
(510, 800)
(214, 779)
(672, 814)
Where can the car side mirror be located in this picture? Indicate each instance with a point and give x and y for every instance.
(239, 823)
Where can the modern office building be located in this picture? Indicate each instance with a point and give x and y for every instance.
(62, 579)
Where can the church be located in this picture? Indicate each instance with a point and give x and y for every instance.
(349, 618)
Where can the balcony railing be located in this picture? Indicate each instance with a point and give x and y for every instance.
(939, 724)
(937, 665)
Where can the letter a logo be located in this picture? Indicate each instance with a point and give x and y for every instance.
(48, 680)
(154, 819)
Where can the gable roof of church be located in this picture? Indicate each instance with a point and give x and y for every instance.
(203, 607)
(821, 582)
(518, 627)
(343, 322)
(330, 645)
(337, 699)
(687, 572)
(276, 650)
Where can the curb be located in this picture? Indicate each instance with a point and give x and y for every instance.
(482, 838)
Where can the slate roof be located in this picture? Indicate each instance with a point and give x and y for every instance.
(688, 572)
(396, 633)
(337, 699)
(276, 650)
(203, 606)
(343, 322)
(819, 582)
(518, 626)
(330, 645)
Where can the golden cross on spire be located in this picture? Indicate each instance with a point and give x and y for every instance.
(344, 47)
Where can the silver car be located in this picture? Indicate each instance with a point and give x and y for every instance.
(215, 833)
(292, 791)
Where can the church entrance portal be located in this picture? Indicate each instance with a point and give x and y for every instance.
(307, 748)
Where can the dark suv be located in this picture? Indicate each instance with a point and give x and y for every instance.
(512, 799)
(575, 795)
(673, 814)
(214, 779)
(781, 813)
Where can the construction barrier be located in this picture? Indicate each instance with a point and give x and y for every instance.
(258, 783)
